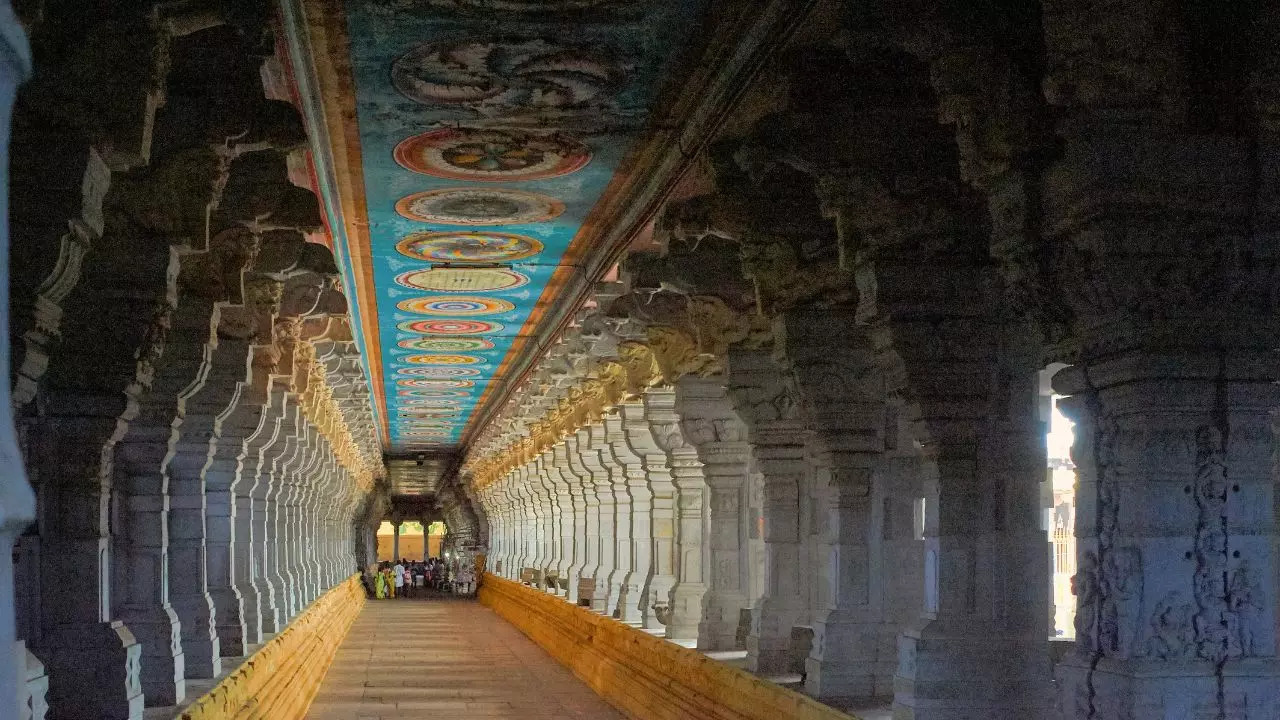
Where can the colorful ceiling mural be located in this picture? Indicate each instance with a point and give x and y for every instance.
(486, 130)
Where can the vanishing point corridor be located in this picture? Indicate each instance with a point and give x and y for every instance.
(443, 658)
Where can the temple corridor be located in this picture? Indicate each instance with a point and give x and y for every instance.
(746, 359)
(444, 658)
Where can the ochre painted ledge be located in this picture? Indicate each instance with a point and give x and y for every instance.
(644, 676)
(280, 680)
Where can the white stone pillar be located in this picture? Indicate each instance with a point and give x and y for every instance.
(17, 501)
(615, 558)
(685, 509)
(599, 523)
(577, 526)
(659, 548)
(767, 403)
(715, 432)
(558, 487)
(263, 497)
(635, 519)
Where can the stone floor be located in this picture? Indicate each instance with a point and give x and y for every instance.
(444, 658)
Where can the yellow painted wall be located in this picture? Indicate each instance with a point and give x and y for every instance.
(642, 675)
(282, 678)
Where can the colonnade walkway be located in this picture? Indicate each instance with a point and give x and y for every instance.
(444, 658)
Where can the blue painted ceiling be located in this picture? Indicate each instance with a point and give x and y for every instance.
(488, 130)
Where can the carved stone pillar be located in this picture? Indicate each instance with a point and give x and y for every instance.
(615, 555)
(842, 395)
(630, 469)
(558, 481)
(1161, 210)
(577, 525)
(234, 599)
(599, 523)
(715, 432)
(17, 502)
(680, 503)
(766, 401)
(263, 496)
(660, 547)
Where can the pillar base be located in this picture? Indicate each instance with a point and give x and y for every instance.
(769, 644)
(229, 621)
(93, 672)
(1154, 689)
(852, 661)
(200, 647)
(974, 673)
(163, 665)
(686, 608)
(721, 618)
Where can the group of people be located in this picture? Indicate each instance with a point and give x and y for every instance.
(404, 578)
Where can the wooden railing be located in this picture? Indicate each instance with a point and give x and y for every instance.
(279, 681)
(644, 676)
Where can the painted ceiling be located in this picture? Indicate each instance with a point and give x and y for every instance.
(486, 130)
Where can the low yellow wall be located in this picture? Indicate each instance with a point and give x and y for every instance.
(644, 676)
(280, 680)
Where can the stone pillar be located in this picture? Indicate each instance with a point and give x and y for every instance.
(663, 562)
(577, 527)
(267, 446)
(636, 515)
(1161, 209)
(599, 522)
(717, 435)
(395, 540)
(843, 395)
(552, 460)
(552, 533)
(766, 401)
(680, 506)
(615, 560)
(235, 600)
(17, 502)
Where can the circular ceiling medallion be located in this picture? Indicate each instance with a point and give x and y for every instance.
(440, 372)
(479, 206)
(426, 413)
(491, 155)
(524, 74)
(464, 246)
(434, 384)
(446, 344)
(455, 306)
(430, 404)
(442, 360)
(462, 279)
(434, 394)
(451, 327)
(425, 434)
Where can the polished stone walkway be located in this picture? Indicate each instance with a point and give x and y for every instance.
(447, 658)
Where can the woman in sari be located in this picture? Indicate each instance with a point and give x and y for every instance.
(380, 584)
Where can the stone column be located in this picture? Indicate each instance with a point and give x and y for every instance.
(266, 447)
(663, 563)
(766, 401)
(843, 395)
(1161, 209)
(395, 540)
(636, 515)
(599, 521)
(552, 461)
(713, 429)
(17, 501)
(578, 498)
(688, 546)
(551, 539)
(235, 598)
(615, 558)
